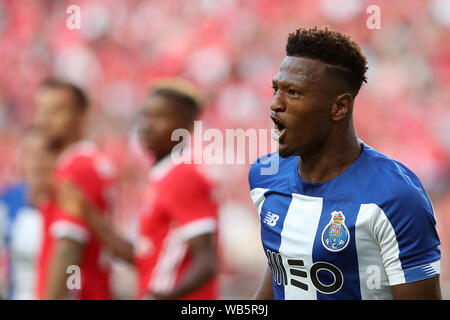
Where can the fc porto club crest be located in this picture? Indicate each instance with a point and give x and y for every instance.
(335, 236)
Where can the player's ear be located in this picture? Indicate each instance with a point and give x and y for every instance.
(342, 107)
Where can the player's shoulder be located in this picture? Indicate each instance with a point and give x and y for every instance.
(186, 173)
(391, 182)
(81, 152)
(271, 170)
(86, 157)
(181, 180)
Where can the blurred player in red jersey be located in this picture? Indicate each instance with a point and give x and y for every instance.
(176, 250)
(61, 110)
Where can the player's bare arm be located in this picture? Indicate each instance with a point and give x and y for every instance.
(67, 252)
(265, 290)
(203, 267)
(428, 289)
(74, 203)
(119, 246)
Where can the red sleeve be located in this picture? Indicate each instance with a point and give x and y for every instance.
(187, 197)
(65, 226)
(81, 172)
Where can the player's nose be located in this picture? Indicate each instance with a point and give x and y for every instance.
(40, 120)
(278, 102)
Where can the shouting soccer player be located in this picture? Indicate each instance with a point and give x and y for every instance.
(175, 254)
(339, 220)
(61, 110)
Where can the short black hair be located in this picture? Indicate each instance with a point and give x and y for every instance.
(184, 93)
(81, 99)
(339, 51)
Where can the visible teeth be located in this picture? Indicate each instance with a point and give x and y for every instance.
(276, 133)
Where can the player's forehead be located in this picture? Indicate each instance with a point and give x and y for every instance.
(53, 97)
(160, 102)
(154, 101)
(299, 70)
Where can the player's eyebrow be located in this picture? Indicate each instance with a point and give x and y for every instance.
(286, 84)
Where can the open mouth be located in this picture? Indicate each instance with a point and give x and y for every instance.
(279, 130)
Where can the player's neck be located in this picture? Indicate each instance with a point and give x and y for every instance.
(334, 156)
(160, 157)
(63, 146)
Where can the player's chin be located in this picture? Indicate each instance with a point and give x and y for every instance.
(150, 147)
(284, 151)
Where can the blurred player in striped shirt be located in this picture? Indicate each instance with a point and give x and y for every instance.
(20, 219)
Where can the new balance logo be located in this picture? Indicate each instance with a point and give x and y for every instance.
(271, 219)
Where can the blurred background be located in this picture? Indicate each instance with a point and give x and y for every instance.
(231, 49)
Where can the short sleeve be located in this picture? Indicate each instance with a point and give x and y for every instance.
(406, 233)
(81, 172)
(66, 226)
(188, 201)
(266, 165)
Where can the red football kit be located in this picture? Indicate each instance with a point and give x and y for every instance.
(178, 206)
(87, 168)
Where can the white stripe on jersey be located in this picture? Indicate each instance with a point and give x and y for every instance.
(164, 274)
(369, 258)
(385, 235)
(297, 240)
(71, 230)
(197, 227)
(258, 198)
(174, 251)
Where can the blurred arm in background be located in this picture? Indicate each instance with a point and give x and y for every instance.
(73, 202)
(203, 267)
(120, 246)
(202, 247)
(265, 290)
(67, 251)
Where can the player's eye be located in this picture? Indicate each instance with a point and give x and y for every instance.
(293, 93)
(275, 89)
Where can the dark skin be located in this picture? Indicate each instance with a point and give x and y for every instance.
(265, 290)
(58, 117)
(201, 248)
(204, 266)
(159, 117)
(61, 123)
(314, 109)
(67, 252)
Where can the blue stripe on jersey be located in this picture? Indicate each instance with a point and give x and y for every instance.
(15, 199)
(373, 179)
(347, 261)
(277, 204)
(420, 273)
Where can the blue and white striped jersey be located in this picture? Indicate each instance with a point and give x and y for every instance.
(351, 237)
(20, 226)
